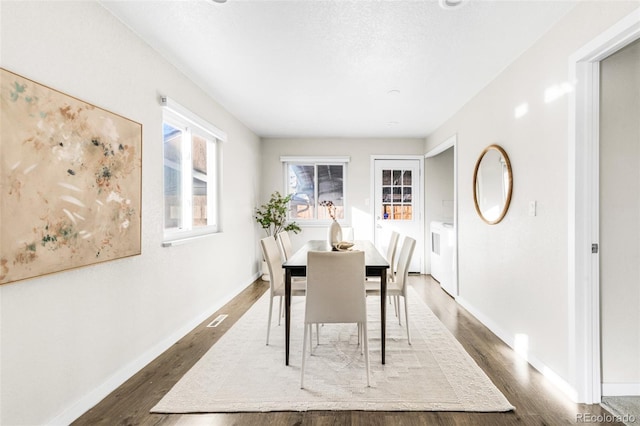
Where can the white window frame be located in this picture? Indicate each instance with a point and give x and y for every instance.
(191, 125)
(313, 160)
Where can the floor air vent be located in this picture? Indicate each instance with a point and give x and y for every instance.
(216, 322)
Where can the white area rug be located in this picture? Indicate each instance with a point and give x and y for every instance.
(241, 373)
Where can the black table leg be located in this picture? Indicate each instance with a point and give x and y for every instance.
(383, 310)
(287, 313)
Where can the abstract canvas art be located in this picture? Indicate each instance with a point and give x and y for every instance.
(70, 179)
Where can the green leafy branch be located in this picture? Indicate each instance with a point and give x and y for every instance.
(272, 216)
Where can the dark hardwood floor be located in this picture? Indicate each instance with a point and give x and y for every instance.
(537, 402)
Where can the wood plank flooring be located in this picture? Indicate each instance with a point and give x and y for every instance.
(537, 402)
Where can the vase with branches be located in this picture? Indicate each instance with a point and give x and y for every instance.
(331, 208)
(334, 232)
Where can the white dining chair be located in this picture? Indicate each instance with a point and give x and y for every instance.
(272, 256)
(373, 282)
(392, 249)
(335, 294)
(285, 244)
(398, 287)
(287, 251)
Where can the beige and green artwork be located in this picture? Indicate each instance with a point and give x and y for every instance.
(70, 179)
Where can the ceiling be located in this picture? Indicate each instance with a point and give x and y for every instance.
(338, 68)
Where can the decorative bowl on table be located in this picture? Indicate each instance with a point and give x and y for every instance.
(343, 246)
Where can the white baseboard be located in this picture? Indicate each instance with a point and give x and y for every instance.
(88, 401)
(513, 342)
(621, 389)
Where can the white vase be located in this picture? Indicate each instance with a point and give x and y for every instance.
(334, 234)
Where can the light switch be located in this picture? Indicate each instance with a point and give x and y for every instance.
(532, 208)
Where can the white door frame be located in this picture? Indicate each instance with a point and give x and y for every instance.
(450, 142)
(420, 181)
(583, 205)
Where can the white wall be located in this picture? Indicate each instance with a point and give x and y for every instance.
(514, 275)
(358, 175)
(620, 220)
(70, 338)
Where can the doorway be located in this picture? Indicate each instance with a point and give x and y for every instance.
(397, 203)
(441, 209)
(619, 222)
(584, 205)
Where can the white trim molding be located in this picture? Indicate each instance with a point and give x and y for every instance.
(621, 389)
(513, 342)
(314, 159)
(185, 113)
(583, 194)
(73, 412)
(440, 148)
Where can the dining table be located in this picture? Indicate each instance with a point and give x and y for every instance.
(376, 265)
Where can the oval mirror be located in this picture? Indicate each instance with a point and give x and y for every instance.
(492, 184)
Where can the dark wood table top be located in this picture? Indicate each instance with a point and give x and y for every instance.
(372, 257)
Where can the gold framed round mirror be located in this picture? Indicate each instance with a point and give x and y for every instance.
(492, 184)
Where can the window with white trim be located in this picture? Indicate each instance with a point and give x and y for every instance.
(191, 148)
(312, 181)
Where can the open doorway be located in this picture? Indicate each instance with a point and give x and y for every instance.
(584, 232)
(441, 215)
(619, 228)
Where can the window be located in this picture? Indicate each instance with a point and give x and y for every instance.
(312, 181)
(191, 166)
(397, 187)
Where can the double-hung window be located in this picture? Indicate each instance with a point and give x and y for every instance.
(312, 181)
(191, 148)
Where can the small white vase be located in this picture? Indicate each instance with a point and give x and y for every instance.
(334, 234)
